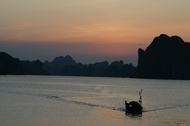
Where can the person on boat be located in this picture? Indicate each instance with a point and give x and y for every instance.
(126, 105)
(140, 94)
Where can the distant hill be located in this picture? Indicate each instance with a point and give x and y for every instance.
(13, 66)
(64, 66)
(9, 65)
(100, 69)
(55, 67)
(165, 58)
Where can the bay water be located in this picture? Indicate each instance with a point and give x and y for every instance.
(91, 101)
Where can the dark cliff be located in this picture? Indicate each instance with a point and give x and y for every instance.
(13, 66)
(9, 65)
(165, 58)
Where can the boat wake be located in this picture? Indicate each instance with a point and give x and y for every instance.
(62, 99)
(165, 108)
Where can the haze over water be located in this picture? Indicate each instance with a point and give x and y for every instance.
(84, 101)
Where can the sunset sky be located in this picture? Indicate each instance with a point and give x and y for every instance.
(88, 30)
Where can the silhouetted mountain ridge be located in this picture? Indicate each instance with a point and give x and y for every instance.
(63, 66)
(165, 58)
(13, 66)
(100, 69)
(55, 67)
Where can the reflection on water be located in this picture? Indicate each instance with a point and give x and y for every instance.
(51, 100)
(134, 115)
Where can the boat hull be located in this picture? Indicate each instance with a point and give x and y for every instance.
(133, 107)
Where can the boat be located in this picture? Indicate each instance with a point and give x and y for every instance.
(134, 107)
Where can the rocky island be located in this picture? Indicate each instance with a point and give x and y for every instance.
(165, 58)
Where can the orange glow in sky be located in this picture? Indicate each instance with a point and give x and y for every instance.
(107, 27)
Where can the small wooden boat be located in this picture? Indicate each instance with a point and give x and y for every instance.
(134, 107)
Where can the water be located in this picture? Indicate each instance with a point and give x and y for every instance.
(86, 101)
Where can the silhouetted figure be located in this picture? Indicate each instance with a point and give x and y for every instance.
(140, 94)
(126, 104)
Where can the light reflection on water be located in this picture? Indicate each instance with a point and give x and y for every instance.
(52, 100)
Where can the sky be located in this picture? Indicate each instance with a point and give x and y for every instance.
(88, 30)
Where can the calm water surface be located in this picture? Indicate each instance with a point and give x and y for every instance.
(86, 101)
